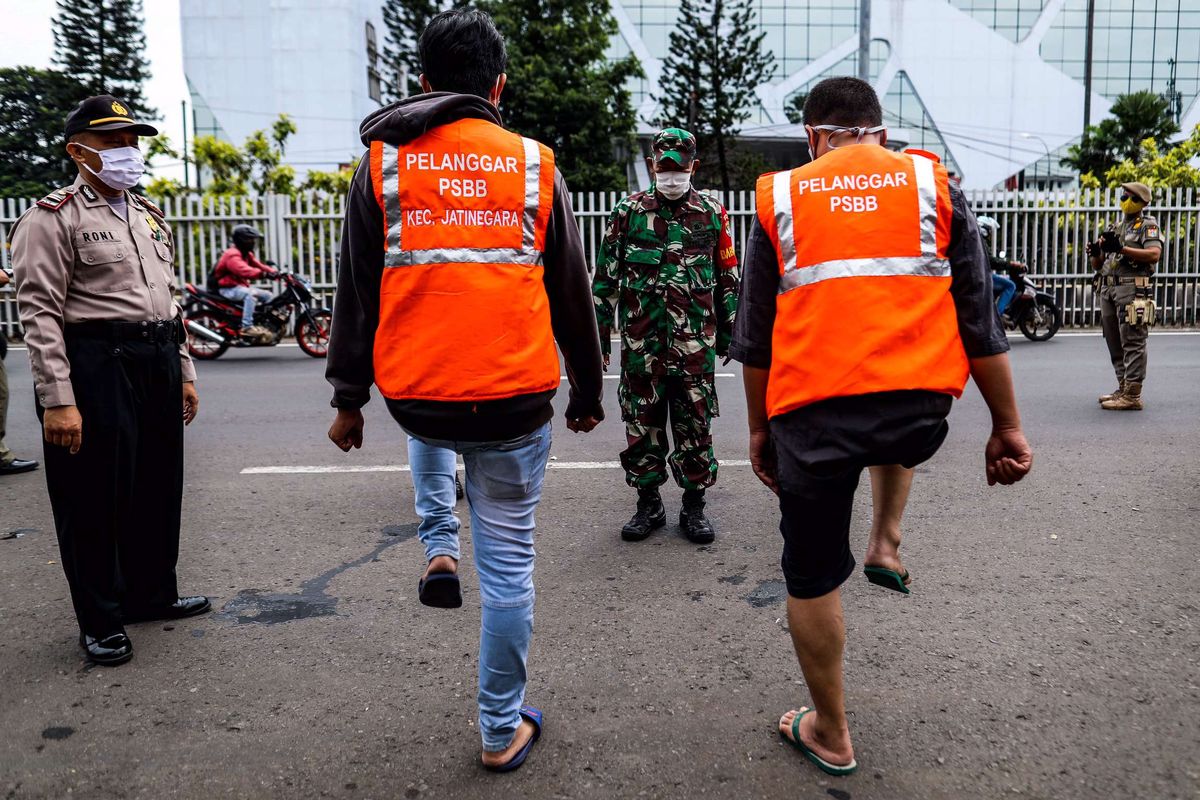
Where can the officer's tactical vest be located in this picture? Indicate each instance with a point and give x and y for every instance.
(864, 299)
(463, 311)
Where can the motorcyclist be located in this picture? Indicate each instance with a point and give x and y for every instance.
(236, 268)
(1002, 285)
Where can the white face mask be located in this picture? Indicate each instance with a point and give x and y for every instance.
(120, 167)
(673, 185)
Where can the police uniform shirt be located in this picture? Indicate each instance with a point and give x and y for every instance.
(1142, 233)
(76, 259)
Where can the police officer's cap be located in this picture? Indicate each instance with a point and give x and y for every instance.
(105, 113)
(1139, 190)
(246, 232)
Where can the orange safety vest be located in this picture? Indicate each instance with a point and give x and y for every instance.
(463, 312)
(864, 301)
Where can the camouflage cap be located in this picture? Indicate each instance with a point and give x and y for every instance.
(675, 144)
(1139, 190)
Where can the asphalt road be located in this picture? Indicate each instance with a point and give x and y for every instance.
(1050, 648)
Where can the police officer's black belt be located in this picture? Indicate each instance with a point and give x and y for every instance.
(147, 331)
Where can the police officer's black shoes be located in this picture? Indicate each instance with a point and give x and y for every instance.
(692, 522)
(649, 517)
(17, 466)
(183, 607)
(107, 651)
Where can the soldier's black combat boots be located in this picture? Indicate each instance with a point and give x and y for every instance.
(692, 522)
(649, 517)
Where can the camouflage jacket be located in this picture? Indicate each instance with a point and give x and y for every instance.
(667, 277)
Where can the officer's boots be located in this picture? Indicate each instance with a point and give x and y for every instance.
(1130, 399)
(650, 516)
(1104, 398)
(692, 522)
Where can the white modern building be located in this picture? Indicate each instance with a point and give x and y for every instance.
(996, 87)
(247, 61)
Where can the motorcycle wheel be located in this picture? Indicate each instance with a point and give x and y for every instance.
(203, 349)
(1041, 321)
(313, 334)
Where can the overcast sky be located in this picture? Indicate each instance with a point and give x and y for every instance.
(26, 39)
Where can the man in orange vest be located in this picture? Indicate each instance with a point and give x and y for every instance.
(866, 301)
(461, 266)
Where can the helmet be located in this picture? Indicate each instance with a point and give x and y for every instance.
(242, 233)
(987, 228)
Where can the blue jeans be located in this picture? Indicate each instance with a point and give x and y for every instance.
(1007, 289)
(250, 297)
(504, 485)
(433, 485)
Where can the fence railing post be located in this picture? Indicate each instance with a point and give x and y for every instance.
(1048, 230)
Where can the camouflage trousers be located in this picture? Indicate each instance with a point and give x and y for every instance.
(690, 401)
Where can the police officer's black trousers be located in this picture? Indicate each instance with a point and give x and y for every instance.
(117, 501)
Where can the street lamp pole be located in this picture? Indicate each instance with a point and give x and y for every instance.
(864, 40)
(1045, 147)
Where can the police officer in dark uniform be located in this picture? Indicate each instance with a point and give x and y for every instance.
(114, 383)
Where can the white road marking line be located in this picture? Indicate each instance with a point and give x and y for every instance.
(281, 344)
(1097, 333)
(618, 377)
(357, 468)
(1011, 335)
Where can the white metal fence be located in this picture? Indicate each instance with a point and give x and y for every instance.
(1047, 230)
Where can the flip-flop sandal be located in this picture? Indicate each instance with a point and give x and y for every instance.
(440, 590)
(533, 715)
(887, 578)
(822, 764)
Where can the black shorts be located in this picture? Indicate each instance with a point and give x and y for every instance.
(822, 450)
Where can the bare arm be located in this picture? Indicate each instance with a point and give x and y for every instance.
(1008, 457)
(762, 450)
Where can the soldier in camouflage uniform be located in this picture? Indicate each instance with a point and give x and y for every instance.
(667, 277)
(1125, 257)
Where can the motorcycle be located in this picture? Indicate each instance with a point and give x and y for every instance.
(1032, 309)
(214, 322)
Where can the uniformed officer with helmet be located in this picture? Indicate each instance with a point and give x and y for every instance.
(1125, 256)
(114, 383)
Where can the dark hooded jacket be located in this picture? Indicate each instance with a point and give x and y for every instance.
(350, 368)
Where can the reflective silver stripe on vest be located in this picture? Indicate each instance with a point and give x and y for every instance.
(533, 178)
(918, 266)
(927, 200)
(781, 199)
(463, 255)
(390, 156)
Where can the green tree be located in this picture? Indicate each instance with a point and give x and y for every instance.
(404, 21)
(1135, 117)
(333, 182)
(715, 62)
(795, 108)
(562, 89)
(101, 44)
(33, 106)
(1172, 168)
(254, 168)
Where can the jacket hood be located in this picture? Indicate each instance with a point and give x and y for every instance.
(405, 120)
